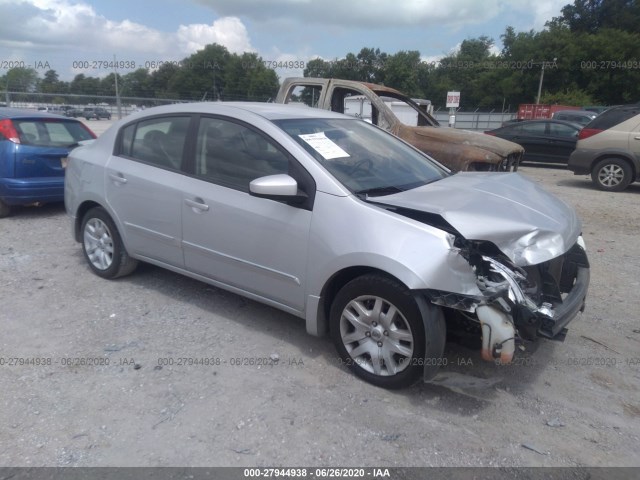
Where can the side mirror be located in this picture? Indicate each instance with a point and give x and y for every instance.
(277, 187)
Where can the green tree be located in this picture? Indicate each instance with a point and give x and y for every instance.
(21, 79)
(161, 79)
(372, 65)
(51, 83)
(136, 84)
(401, 72)
(84, 85)
(589, 16)
(201, 75)
(107, 85)
(567, 97)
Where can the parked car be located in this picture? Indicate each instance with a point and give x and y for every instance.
(459, 150)
(581, 117)
(549, 141)
(511, 121)
(32, 147)
(335, 221)
(96, 113)
(74, 112)
(609, 149)
(58, 110)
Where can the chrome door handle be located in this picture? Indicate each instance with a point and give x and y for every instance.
(198, 204)
(117, 178)
(636, 138)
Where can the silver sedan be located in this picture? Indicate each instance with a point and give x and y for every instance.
(336, 221)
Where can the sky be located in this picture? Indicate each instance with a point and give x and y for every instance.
(82, 36)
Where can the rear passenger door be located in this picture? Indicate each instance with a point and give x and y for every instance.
(143, 185)
(533, 137)
(563, 140)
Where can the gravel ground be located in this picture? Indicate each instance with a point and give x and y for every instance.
(110, 396)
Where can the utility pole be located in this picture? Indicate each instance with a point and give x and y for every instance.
(115, 69)
(541, 79)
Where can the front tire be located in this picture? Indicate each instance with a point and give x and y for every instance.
(102, 246)
(379, 333)
(612, 174)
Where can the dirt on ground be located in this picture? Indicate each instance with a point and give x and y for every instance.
(156, 369)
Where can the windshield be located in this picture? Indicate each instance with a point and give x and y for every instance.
(365, 159)
(51, 132)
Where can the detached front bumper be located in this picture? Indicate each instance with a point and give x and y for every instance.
(522, 303)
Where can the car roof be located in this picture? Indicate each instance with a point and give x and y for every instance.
(546, 120)
(8, 112)
(270, 111)
(584, 113)
(513, 125)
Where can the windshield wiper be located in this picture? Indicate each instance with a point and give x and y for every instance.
(379, 191)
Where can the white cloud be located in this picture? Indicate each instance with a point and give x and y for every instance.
(363, 13)
(227, 31)
(62, 27)
(537, 12)
(545, 10)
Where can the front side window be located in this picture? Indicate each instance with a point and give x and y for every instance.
(232, 154)
(363, 158)
(158, 141)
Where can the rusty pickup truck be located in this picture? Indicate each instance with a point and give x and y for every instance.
(459, 150)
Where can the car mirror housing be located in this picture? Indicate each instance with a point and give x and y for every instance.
(276, 187)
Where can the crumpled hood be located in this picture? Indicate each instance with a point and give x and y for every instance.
(525, 222)
(493, 144)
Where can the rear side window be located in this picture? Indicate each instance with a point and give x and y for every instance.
(560, 130)
(613, 117)
(533, 128)
(159, 141)
(51, 133)
(512, 129)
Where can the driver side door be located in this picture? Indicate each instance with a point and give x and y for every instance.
(256, 245)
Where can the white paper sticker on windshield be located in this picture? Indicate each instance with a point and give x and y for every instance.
(323, 145)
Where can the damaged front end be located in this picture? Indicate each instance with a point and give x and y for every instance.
(517, 303)
(515, 268)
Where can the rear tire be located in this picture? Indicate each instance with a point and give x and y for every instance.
(379, 333)
(612, 174)
(5, 210)
(102, 246)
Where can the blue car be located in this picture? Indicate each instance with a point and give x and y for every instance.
(32, 148)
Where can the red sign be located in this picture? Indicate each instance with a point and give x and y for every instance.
(453, 99)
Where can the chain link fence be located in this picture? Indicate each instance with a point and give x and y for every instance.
(479, 121)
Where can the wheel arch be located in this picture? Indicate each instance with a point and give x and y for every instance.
(635, 170)
(318, 319)
(80, 213)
